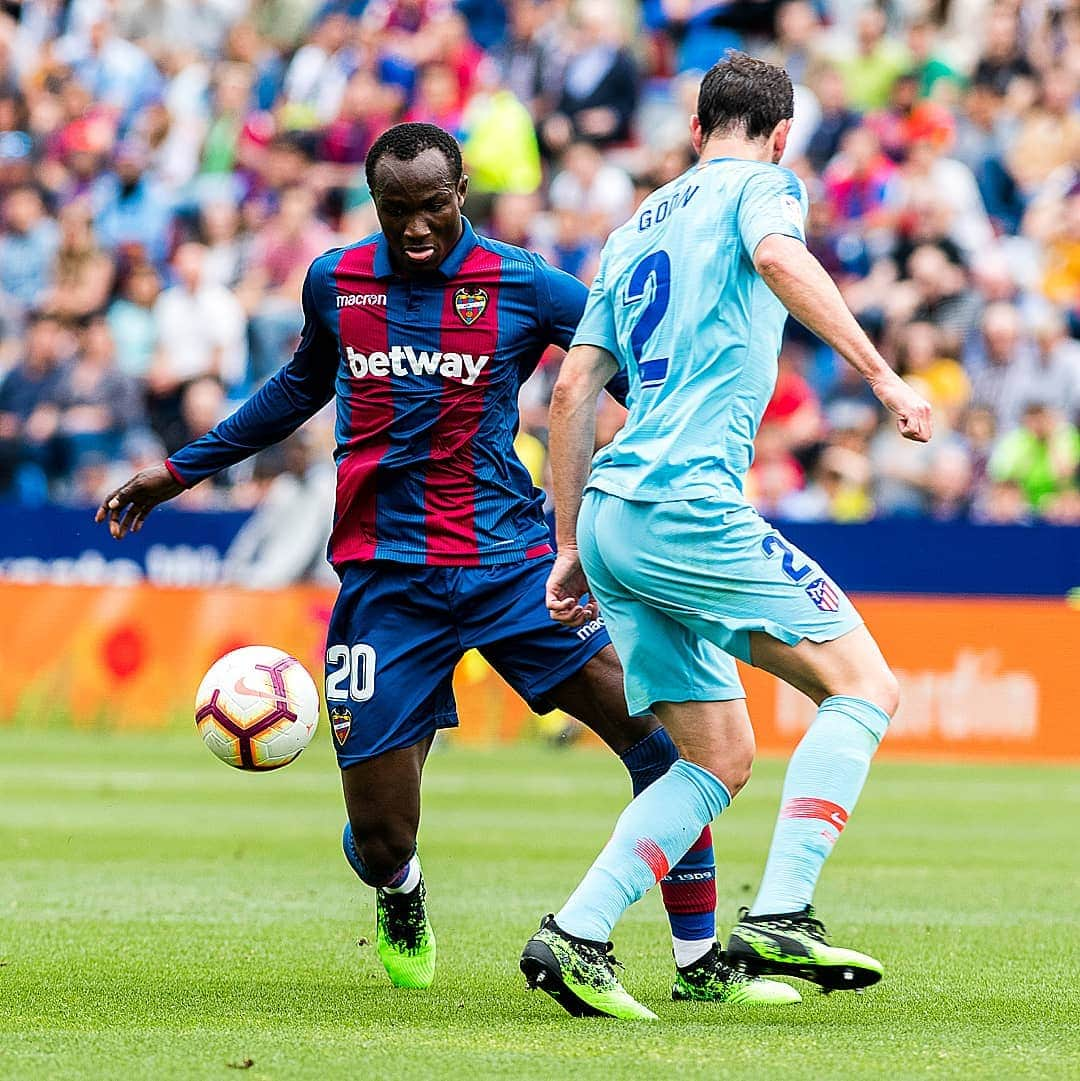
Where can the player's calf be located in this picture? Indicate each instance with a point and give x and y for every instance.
(689, 889)
(824, 779)
(379, 853)
(405, 939)
(595, 695)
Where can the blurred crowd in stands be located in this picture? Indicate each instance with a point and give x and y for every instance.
(168, 169)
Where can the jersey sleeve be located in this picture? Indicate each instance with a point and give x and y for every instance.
(597, 326)
(773, 201)
(561, 298)
(294, 394)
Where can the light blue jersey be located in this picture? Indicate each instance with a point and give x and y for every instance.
(684, 568)
(678, 303)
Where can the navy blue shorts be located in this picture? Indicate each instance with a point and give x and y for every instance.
(398, 631)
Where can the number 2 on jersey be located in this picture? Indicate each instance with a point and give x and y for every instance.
(657, 268)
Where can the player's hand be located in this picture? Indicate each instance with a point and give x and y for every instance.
(126, 508)
(911, 409)
(566, 586)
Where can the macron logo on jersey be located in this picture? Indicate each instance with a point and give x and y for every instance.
(405, 360)
(361, 300)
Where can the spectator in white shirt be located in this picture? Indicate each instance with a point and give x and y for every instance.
(319, 72)
(284, 541)
(201, 331)
(601, 192)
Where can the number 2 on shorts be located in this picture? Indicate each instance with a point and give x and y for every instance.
(772, 544)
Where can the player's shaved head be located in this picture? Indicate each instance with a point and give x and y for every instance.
(745, 96)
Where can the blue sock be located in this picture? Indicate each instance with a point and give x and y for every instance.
(649, 759)
(652, 833)
(689, 890)
(349, 848)
(823, 782)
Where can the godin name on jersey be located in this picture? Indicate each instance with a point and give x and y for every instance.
(654, 215)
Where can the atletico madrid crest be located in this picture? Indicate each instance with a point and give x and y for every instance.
(470, 304)
(823, 595)
(341, 722)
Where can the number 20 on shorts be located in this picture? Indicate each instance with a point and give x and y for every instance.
(353, 677)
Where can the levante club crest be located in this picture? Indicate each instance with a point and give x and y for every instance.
(470, 304)
(341, 722)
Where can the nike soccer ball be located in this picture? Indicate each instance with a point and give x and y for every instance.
(257, 708)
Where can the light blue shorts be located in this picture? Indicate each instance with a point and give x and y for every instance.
(681, 585)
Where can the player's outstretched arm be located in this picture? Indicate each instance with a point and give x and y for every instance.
(291, 396)
(127, 507)
(572, 426)
(806, 290)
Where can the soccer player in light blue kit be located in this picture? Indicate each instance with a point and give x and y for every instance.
(691, 300)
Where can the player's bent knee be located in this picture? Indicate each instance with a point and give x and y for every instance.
(884, 691)
(890, 694)
(383, 849)
(732, 770)
(875, 683)
(736, 774)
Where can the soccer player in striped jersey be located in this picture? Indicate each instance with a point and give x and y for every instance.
(424, 333)
(690, 303)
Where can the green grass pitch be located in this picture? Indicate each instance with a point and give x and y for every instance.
(164, 917)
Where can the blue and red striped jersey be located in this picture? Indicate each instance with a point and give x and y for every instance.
(426, 375)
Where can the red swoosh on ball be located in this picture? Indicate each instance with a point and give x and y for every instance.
(242, 688)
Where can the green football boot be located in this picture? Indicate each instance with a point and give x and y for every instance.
(712, 979)
(405, 939)
(793, 944)
(578, 974)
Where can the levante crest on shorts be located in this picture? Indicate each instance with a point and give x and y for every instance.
(470, 304)
(341, 722)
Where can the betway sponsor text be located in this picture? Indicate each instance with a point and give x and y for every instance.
(404, 360)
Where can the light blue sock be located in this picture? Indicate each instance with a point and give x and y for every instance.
(690, 886)
(652, 834)
(823, 782)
